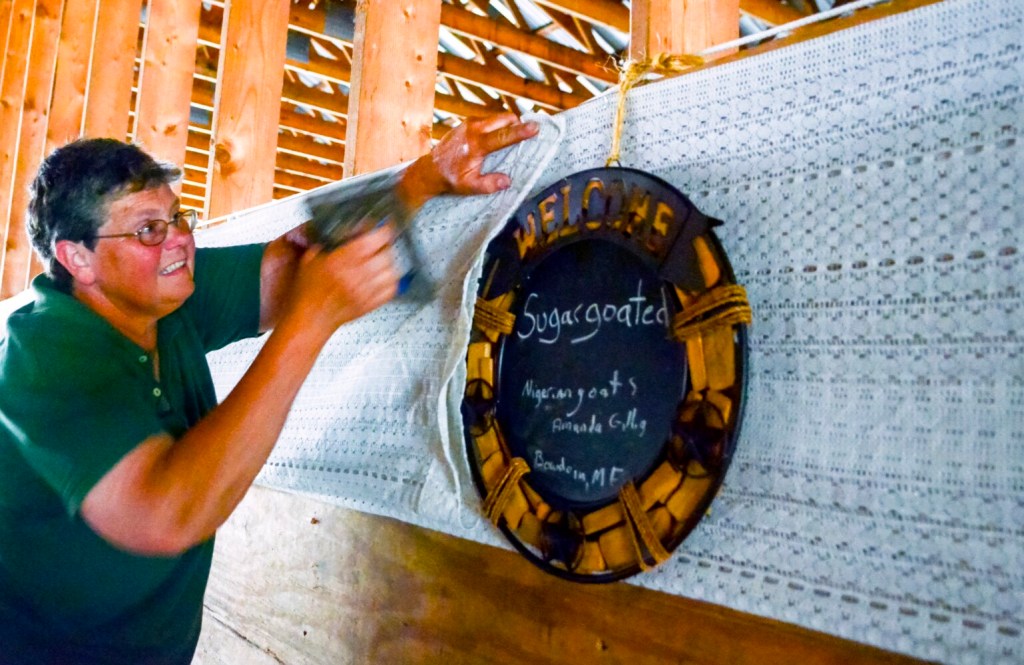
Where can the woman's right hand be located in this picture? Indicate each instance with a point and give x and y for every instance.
(334, 287)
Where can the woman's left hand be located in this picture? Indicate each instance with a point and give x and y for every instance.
(454, 165)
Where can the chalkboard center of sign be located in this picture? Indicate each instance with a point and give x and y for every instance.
(590, 379)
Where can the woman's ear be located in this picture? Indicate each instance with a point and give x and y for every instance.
(77, 260)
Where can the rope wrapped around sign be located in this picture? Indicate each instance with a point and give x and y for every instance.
(498, 498)
(489, 316)
(724, 305)
(640, 529)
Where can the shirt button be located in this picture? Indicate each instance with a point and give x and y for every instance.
(156, 392)
(143, 358)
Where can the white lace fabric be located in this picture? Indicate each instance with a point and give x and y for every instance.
(870, 186)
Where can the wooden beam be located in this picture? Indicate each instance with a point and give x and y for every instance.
(334, 103)
(312, 124)
(249, 84)
(297, 181)
(298, 153)
(192, 174)
(823, 28)
(165, 78)
(282, 192)
(307, 19)
(197, 160)
(392, 96)
(111, 69)
(466, 23)
(211, 19)
(461, 107)
(771, 11)
(292, 92)
(502, 80)
(71, 78)
(391, 592)
(6, 17)
(203, 92)
(578, 28)
(15, 267)
(616, 15)
(681, 26)
(305, 145)
(12, 97)
(302, 18)
(336, 71)
(333, 70)
(607, 12)
(329, 172)
(194, 191)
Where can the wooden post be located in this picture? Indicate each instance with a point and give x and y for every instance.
(249, 83)
(73, 53)
(390, 110)
(165, 82)
(111, 69)
(681, 26)
(17, 258)
(6, 16)
(12, 97)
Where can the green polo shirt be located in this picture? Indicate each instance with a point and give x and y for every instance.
(75, 397)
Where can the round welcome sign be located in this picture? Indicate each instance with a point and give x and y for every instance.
(605, 374)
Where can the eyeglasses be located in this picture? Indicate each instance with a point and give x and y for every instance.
(154, 231)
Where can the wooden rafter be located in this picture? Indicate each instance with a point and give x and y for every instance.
(771, 11)
(315, 140)
(466, 23)
(501, 79)
(308, 146)
(608, 12)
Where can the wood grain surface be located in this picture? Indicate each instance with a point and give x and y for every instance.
(301, 582)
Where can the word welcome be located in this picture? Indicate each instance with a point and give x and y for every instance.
(611, 205)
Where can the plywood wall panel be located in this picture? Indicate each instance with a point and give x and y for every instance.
(16, 267)
(165, 82)
(250, 81)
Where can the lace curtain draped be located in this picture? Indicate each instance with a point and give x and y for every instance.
(870, 184)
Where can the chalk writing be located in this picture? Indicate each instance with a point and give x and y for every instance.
(590, 478)
(629, 423)
(539, 395)
(564, 405)
(547, 325)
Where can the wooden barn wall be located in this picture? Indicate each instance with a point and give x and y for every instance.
(294, 580)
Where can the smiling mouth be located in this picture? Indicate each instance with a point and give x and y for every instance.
(171, 268)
